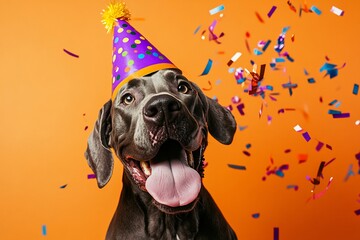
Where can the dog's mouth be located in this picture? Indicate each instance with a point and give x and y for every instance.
(172, 177)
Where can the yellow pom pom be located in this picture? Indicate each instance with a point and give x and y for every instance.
(114, 11)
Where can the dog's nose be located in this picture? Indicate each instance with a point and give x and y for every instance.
(160, 108)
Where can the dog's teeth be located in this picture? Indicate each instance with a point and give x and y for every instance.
(146, 168)
(190, 159)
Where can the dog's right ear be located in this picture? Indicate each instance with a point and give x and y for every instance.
(98, 153)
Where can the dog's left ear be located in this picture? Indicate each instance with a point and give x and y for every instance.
(221, 123)
(98, 153)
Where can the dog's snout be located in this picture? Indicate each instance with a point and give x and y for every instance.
(161, 107)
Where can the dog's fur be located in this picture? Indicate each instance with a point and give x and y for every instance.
(151, 118)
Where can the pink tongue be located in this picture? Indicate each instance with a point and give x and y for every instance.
(173, 183)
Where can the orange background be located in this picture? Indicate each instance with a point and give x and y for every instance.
(47, 98)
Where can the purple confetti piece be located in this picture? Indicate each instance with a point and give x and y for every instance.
(272, 10)
(71, 54)
(91, 176)
(341, 115)
(235, 99)
(240, 107)
(295, 187)
(357, 156)
(306, 136)
(276, 233)
(357, 212)
(319, 146)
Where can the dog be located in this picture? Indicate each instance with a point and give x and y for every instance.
(158, 125)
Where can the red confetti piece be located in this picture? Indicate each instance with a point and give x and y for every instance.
(302, 158)
(292, 38)
(209, 88)
(71, 54)
(287, 150)
(259, 17)
(86, 127)
(246, 153)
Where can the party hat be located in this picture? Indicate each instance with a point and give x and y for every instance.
(133, 55)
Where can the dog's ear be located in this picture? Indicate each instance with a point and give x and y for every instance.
(221, 123)
(98, 153)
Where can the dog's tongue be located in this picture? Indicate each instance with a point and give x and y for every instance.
(172, 182)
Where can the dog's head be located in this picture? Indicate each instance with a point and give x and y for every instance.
(157, 125)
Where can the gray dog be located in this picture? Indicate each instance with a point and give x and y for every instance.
(158, 125)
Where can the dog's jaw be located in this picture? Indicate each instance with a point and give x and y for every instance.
(140, 171)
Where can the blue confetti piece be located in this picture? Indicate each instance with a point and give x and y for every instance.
(256, 215)
(248, 145)
(242, 128)
(333, 73)
(217, 9)
(63, 186)
(257, 52)
(207, 68)
(315, 10)
(231, 70)
(279, 173)
(355, 89)
(285, 29)
(266, 45)
(333, 102)
(311, 80)
(44, 230)
(279, 59)
(306, 136)
(197, 29)
(327, 66)
(306, 72)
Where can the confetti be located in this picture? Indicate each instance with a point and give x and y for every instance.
(259, 17)
(357, 122)
(207, 68)
(235, 99)
(291, 6)
(197, 29)
(319, 146)
(349, 173)
(44, 230)
(290, 86)
(315, 10)
(341, 115)
(293, 38)
(330, 69)
(295, 187)
(86, 128)
(287, 150)
(297, 128)
(247, 153)
(209, 88)
(234, 58)
(337, 11)
(311, 80)
(212, 35)
(71, 54)
(248, 145)
(276, 233)
(355, 89)
(255, 215)
(357, 212)
(238, 167)
(217, 9)
(306, 136)
(63, 186)
(242, 128)
(240, 108)
(302, 158)
(271, 12)
(91, 176)
(320, 194)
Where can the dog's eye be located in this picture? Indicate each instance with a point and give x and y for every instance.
(127, 99)
(183, 87)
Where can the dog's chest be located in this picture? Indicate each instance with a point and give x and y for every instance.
(173, 227)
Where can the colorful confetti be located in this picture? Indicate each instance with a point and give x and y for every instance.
(259, 17)
(271, 12)
(63, 186)
(295, 187)
(357, 212)
(44, 230)
(315, 10)
(71, 54)
(207, 68)
(217, 9)
(255, 215)
(234, 58)
(276, 233)
(91, 176)
(238, 167)
(337, 11)
(355, 89)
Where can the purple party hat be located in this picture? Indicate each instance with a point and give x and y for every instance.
(133, 55)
